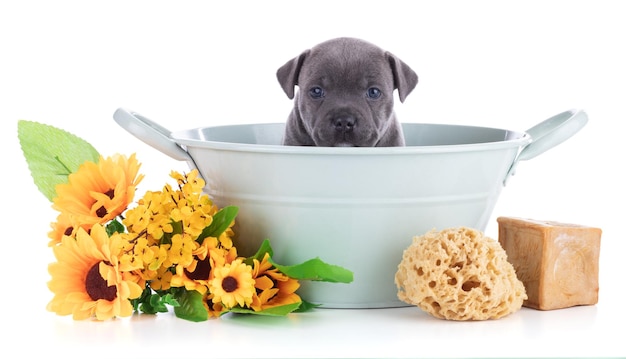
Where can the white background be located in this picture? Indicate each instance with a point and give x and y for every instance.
(190, 64)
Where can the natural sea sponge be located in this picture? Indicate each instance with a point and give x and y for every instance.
(459, 274)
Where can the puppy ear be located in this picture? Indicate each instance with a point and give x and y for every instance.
(404, 78)
(288, 73)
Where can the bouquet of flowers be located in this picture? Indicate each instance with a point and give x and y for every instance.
(171, 248)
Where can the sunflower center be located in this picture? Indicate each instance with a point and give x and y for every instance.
(101, 212)
(68, 231)
(110, 193)
(229, 284)
(202, 271)
(97, 287)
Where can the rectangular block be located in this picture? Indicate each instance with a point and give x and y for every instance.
(557, 262)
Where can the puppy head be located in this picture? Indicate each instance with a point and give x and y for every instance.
(345, 95)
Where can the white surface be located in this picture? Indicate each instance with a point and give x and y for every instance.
(190, 64)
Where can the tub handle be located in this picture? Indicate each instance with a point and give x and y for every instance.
(151, 133)
(548, 134)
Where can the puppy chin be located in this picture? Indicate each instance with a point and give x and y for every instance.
(344, 144)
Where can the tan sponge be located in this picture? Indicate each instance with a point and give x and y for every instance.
(459, 274)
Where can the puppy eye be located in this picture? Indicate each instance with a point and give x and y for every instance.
(316, 92)
(373, 92)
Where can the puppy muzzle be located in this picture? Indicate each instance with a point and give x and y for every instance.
(342, 128)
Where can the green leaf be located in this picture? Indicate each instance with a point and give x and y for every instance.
(52, 154)
(274, 311)
(260, 253)
(191, 307)
(151, 305)
(306, 306)
(177, 228)
(115, 226)
(221, 220)
(138, 302)
(316, 270)
(158, 304)
(170, 300)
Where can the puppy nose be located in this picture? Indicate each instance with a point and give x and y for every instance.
(344, 123)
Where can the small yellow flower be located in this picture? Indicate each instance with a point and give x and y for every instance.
(86, 280)
(185, 211)
(138, 218)
(165, 226)
(162, 279)
(181, 250)
(233, 284)
(99, 192)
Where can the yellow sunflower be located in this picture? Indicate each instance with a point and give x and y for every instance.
(99, 192)
(65, 225)
(273, 288)
(86, 280)
(196, 274)
(233, 284)
(213, 309)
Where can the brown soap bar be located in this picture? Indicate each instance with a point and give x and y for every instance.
(557, 262)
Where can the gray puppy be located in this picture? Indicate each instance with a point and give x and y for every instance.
(345, 95)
